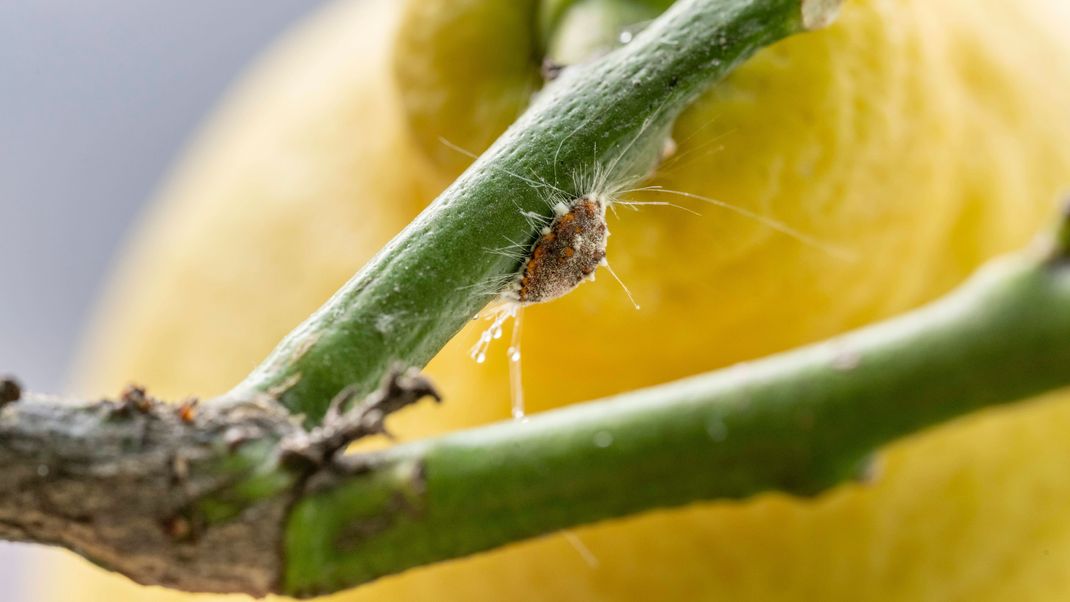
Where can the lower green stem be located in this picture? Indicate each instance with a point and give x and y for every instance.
(799, 422)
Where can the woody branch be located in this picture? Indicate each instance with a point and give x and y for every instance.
(235, 495)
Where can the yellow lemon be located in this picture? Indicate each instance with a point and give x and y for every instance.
(920, 137)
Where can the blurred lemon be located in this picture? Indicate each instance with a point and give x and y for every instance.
(922, 136)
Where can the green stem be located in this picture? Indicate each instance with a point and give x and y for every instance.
(609, 115)
(799, 422)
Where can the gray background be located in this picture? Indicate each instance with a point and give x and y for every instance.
(96, 100)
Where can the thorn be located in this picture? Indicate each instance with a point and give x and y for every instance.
(10, 391)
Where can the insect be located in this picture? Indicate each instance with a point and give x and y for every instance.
(568, 251)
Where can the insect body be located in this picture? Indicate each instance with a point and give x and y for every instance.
(567, 252)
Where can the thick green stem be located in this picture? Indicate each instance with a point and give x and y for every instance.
(608, 116)
(799, 422)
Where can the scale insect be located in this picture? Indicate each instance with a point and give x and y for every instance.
(568, 251)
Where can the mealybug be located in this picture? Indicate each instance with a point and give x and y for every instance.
(567, 252)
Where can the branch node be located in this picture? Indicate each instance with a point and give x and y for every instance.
(342, 426)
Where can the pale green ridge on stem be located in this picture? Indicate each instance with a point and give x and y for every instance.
(611, 114)
(799, 422)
